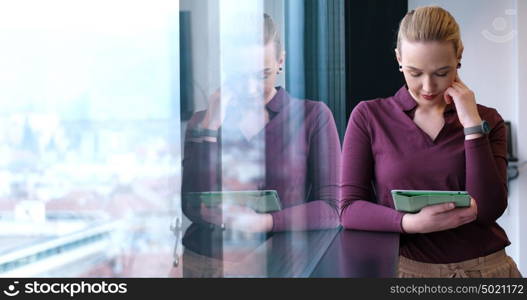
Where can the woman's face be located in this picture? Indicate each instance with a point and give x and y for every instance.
(259, 76)
(429, 68)
(272, 64)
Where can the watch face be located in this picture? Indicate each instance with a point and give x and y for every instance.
(485, 126)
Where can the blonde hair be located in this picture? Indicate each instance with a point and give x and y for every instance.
(271, 34)
(430, 23)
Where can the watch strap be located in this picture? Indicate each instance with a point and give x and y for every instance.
(482, 128)
(200, 132)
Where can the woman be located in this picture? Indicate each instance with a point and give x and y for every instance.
(301, 148)
(431, 135)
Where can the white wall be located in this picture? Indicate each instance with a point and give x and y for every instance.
(494, 34)
(520, 186)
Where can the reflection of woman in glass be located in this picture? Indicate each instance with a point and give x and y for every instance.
(297, 138)
(430, 136)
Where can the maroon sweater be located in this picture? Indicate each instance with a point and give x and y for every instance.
(301, 161)
(384, 150)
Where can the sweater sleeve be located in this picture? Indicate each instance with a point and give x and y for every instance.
(486, 167)
(321, 209)
(358, 209)
(201, 162)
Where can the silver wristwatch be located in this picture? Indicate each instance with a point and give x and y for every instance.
(483, 128)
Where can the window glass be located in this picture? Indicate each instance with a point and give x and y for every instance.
(90, 155)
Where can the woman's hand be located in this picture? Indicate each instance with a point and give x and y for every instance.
(237, 217)
(248, 114)
(246, 219)
(216, 110)
(439, 217)
(465, 102)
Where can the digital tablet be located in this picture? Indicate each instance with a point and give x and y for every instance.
(415, 200)
(262, 201)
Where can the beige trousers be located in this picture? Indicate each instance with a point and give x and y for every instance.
(495, 265)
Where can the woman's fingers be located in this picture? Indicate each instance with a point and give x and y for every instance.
(443, 217)
(474, 204)
(458, 80)
(439, 208)
(448, 96)
(459, 216)
(454, 91)
(457, 85)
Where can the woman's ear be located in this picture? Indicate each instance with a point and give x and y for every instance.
(398, 56)
(399, 59)
(281, 60)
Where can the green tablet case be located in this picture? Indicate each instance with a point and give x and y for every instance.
(415, 200)
(264, 201)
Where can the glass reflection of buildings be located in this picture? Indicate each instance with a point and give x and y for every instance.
(97, 172)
